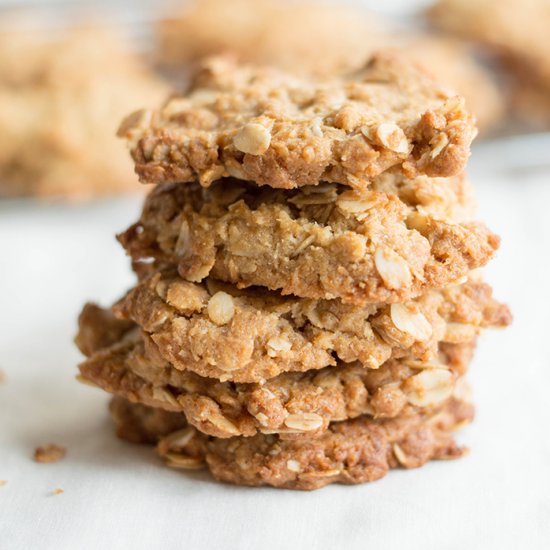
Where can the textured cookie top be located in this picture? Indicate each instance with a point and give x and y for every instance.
(353, 451)
(386, 244)
(275, 129)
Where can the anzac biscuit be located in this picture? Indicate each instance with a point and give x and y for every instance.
(217, 331)
(349, 452)
(61, 97)
(387, 245)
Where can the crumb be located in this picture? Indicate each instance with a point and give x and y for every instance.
(49, 453)
(57, 491)
(2, 377)
(3, 482)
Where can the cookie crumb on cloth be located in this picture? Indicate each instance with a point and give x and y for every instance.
(49, 453)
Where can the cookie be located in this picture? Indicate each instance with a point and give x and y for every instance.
(252, 335)
(275, 129)
(98, 329)
(61, 97)
(530, 105)
(322, 242)
(349, 452)
(293, 405)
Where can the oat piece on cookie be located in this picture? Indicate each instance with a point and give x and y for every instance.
(350, 452)
(61, 98)
(275, 129)
(318, 242)
(252, 335)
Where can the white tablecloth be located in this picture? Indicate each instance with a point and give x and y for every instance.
(116, 495)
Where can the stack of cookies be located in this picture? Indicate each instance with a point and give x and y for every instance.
(308, 296)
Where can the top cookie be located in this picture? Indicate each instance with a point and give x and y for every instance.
(275, 129)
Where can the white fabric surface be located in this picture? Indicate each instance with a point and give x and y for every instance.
(55, 257)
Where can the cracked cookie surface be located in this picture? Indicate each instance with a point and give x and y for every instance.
(275, 129)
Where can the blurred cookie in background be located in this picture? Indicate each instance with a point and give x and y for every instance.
(517, 33)
(62, 94)
(303, 36)
(319, 38)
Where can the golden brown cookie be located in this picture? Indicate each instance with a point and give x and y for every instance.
(61, 99)
(297, 404)
(98, 329)
(530, 105)
(280, 130)
(321, 242)
(301, 36)
(350, 452)
(217, 331)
